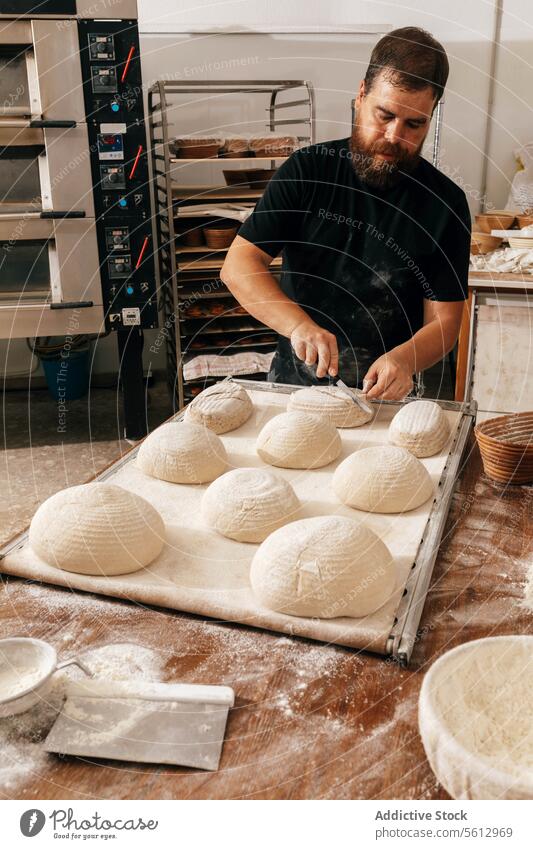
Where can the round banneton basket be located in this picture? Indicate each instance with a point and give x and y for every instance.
(474, 717)
(506, 446)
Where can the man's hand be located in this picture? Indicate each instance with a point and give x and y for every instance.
(312, 343)
(391, 376)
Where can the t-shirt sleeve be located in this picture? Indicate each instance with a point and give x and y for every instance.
(449, 278)
(276, 219)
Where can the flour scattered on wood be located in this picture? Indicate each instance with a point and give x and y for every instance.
(528, 589)
(22, 736)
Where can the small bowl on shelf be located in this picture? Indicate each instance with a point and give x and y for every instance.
(235, 148)
(506, 447)
(494, 221)
(259, 178)
(201, 151)
(483, 243)
(236, 178)
(272, 146)
(524, 220)
(221, 234)
(190, 232)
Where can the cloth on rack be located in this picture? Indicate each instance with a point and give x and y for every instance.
(237, 211)
(215, 365)
(504, 260)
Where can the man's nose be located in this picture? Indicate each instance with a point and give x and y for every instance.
(392, 132)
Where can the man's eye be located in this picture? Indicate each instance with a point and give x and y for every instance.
(413, 125)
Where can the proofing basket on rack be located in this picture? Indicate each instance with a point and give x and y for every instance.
(506, 446)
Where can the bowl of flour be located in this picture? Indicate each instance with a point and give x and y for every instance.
(476, 719)
(26, 668)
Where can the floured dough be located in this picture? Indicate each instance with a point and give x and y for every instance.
(222, 407)
(327, 566)
(182, 452)
(296, 440)
(97, 528)
(382, 479)
(332, 402)
(249, 504)
(421, 427)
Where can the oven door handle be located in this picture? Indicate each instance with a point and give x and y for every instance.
(34, 123)
(60, 213)
(46, 215)
(72, 305)
(43, 124)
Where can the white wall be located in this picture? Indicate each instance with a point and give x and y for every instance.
(335, 63)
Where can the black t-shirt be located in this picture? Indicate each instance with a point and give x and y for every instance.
(360, 260)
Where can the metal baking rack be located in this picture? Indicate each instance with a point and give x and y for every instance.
(186, 272)
(403, 635)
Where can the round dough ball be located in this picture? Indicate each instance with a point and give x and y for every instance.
(382, 479)
(222, 407)
(97, 529)
(182, 452)
(421, 427)
(332, 402)
(249, 504)
(297, 440)
(328, 566)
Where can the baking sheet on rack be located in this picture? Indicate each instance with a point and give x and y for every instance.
(201, 572)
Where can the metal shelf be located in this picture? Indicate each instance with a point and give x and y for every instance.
(208, 193)
(289, 103)
(226, 159)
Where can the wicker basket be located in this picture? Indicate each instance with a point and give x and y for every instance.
(259, 178)
(201, 151)
(524, 220)
(482, 243)
(220, 235)
(506, 446)
(190, 232)
(494, 221)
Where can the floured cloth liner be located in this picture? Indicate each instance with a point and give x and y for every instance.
(201, 572)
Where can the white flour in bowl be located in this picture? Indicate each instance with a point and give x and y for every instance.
(21, 737)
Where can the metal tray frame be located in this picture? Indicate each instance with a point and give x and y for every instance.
(403, 634)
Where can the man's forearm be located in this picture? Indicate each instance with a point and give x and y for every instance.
(428, 345)
(260, 294)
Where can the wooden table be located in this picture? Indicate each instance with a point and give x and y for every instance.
(310, 720)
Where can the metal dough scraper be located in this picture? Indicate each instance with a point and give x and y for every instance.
(143, 721)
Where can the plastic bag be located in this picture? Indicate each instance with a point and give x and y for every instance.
(521, 194)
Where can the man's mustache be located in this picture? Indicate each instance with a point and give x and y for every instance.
(390, 149)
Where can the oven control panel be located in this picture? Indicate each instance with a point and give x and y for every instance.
(116, 124)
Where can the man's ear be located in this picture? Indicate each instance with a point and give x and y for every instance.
(360, 94)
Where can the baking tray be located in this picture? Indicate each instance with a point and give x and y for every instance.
(203, 573)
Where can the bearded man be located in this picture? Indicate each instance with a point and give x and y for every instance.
(375, 240)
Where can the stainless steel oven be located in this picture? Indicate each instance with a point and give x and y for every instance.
(75, 214)
(48, 269)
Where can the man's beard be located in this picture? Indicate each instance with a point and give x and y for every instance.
(380, 173)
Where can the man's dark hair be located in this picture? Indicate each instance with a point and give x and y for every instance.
(411, 59)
